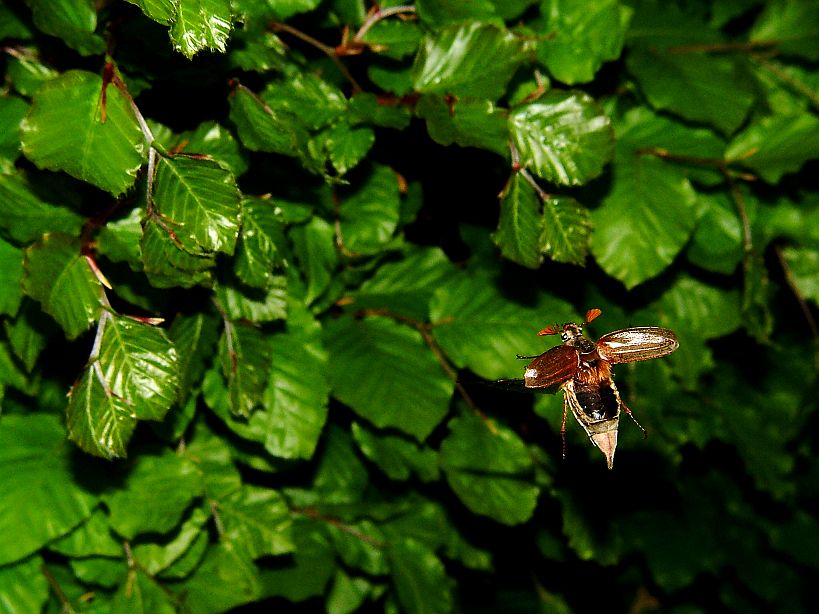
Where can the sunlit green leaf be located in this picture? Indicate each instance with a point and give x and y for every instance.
(644, 221)
(61, 280)
(67, 131)
(199, 200)
(564, 137)
(244, 357)
(451, 61)
(200, 25)
(579, 36)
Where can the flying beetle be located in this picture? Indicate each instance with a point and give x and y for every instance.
(582, 369)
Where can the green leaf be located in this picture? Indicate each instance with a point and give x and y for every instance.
(74, 21)
(700, 87)
(262, 245)
(261, 128)
(308, 572)
(776, 145)
(254, 305)
(717, 241)
(27, 74)
(165, 261)
(162, 11)
(385, 372)
(200, 25)
(564, 137)
(525, 232)
(791, 26)
(213, 140)
(489, 469)
(60, 279)
(238, 582)
(347, 146)
(566, 230)
(23, 587)
(307, 98)
(803, 263)
(65, 131)
(196, 337)
(315, 250)
(256, 522)
(11, 275)
(141, 593)
(157, 491)
(97, 421)
(644, 221)
(132, 376)
(393, 38)
(467, 122)
(35, 446)
(92, 538)
(420, 578)
(521, 224)
(406, 286)
(369, 214)
(396, 456)
(697, 312)
(25, 217)
(579, 36)
(482, 330)
(365, 107)
(244, 357)
(200, 201)
(12, 112)
(453, 60)
(296, 395)
(446, 11)
(28, 334)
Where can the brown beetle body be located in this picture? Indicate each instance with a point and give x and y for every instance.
(581, 368)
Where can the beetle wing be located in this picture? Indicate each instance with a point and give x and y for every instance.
(552, 368)
(638, 343)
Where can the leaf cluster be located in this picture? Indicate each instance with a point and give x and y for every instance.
(257, 257)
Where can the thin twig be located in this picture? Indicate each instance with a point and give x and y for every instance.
(803, 304)
(67, 608)
(377, 15)
(330, 52)
(790, 80)
(335, 522)
(724, 46)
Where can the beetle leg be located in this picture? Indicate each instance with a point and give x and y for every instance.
(522, 357)
(631, 415)
(563, 425)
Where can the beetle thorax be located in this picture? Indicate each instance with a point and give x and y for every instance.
(573, 335)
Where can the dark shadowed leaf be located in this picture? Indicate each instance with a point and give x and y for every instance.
(386, 373)
(36, 447)
(488, 466)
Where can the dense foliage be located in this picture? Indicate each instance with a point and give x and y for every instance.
(258, 257)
